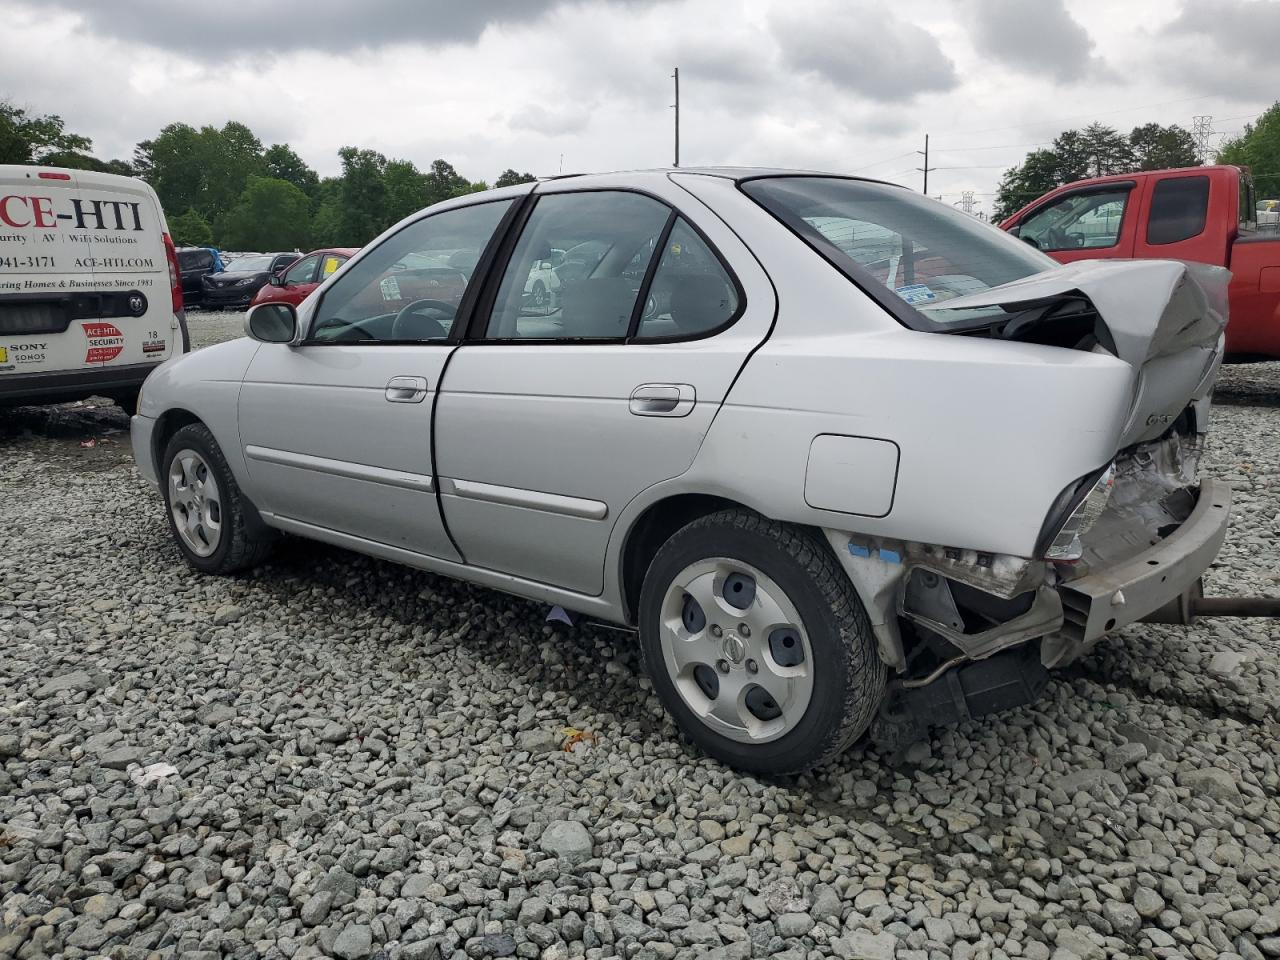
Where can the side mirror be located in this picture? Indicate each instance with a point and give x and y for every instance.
(1015, 230)
(272, 322)
(277, 278)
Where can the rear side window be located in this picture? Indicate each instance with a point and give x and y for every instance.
(1178, 209)
(907, 252)
(576, 272)
(691, 294)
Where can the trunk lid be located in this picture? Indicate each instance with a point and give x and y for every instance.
(1164, 318)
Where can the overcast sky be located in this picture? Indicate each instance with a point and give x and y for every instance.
(841, 85)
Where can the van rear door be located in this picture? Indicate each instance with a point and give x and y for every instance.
(84, 276)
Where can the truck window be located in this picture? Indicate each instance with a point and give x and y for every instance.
(1179, 206)
(1078, 221)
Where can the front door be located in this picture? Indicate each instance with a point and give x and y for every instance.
(572, 397)
(1087, 224)
(336, 430)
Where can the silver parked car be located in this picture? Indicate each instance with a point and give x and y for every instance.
(845, 457)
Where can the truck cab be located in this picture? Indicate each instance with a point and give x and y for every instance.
(1197, 214)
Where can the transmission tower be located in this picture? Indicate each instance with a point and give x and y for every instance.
(966, 201)
(1201, 131)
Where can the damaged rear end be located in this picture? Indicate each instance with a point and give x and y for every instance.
(972, 632)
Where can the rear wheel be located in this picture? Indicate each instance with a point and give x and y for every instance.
(207, 514)
(757, 643)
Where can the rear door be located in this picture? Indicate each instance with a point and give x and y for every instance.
(84, 279)
(299, 280)
(560, 409)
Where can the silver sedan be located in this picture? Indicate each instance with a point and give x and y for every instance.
(846, 458)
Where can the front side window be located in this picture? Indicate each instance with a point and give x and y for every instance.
(1078, 221)
(576, 272)
(283, 261)
(691, 293)
(410, 287)
(890, 240)
(303, 271)
(1179, 206)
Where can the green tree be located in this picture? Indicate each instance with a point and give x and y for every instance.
(363, 196)
(444, 182)
(1037, 174)
(206, 169)
(1258, 148)
(1159, 148)
(509, 178)
(28, 138)
(283, 164)
(189, 229)
(270, 215)
(326, 221)
(407, 191)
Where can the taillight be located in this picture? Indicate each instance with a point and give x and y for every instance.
(1084, 512)
(175, 276)
(46, 175)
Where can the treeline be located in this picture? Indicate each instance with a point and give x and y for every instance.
(1098, 151)
(1095, 151)
(222, 187)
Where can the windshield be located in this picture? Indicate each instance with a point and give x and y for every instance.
(910, 253)
(252, 264)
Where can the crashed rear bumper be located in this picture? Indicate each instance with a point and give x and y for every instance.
(1107, 599)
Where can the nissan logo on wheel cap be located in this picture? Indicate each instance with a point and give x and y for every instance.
(137, 304)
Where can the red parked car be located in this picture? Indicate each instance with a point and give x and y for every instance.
(1202, 214)
(294, 283)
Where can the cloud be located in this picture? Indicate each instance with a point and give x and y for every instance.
(213, 31)
(1225, 47)
(1036, 38)
(538, 119)
(862, 50)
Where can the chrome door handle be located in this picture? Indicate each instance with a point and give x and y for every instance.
(662, 400)
(406, 389)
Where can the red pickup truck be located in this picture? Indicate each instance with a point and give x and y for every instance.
(1205, 214)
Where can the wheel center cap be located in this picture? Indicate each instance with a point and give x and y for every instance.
(733, 648)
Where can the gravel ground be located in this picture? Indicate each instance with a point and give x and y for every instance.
(367, 761)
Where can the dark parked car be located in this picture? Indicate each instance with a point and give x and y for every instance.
(196, 263)
(236, 286)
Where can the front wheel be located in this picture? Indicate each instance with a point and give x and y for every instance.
(207, 513)
(757, 643)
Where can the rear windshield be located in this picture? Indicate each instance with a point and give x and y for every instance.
(253, 264)
(908, 252)
(195, 259)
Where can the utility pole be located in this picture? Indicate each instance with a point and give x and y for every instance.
(966, 201)
(925, 169)
(1202, 130)
(676, 77)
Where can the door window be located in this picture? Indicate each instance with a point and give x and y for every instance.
(282, 261)
(329, 265)
(691, 294)
(410, 287)
(303, 271)
(577, 270)
(1178, 209)
(1079, 221)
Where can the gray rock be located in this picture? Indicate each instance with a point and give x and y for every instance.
(859, 945)
(567, 840)
(1210, 781)
(1123, 917)
(121, 757)
(316, 909)
(1147, 902)
(355, 942)
(78, 681)
(335, 732)
(794, 924)
(10, 746)
(537, 741)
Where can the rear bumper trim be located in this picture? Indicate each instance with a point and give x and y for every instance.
(46, 387)
(1114, 597)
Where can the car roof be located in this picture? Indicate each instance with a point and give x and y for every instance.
(341, 251)
(736, 174)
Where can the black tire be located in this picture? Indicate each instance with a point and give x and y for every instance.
(849, 676)
(241, 545)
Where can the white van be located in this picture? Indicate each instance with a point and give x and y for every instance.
(90, 294)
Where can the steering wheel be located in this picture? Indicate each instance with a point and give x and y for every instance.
(409, 318)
